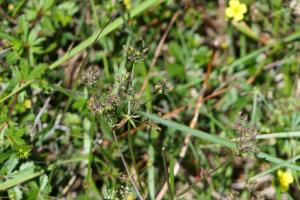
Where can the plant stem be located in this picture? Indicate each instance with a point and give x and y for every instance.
(254, 107)
(92, 133)
(126, 166)
(20, 88)
(131, 149)
(167, 173)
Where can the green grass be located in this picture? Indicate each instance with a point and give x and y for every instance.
(92, 107)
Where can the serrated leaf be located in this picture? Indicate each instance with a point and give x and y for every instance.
(10, 164)
(18, 179)
(16, 193)
(28, 166)
(37, 72)
(4, 52)
(43, 182)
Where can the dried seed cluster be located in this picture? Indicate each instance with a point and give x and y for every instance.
(123, 193)
(151, 125)
(136, 55)
(90, 76)
(245, 135)
(161, 87)
(116, 98)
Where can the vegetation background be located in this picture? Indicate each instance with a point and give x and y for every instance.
(149, 99)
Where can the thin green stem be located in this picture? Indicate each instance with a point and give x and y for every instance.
(290, 134)
(17, 90)
(254, 107)
(92, 134)
(126, 166)
(131, 149)
(167, 174)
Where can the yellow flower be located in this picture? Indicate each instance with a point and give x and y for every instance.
(236, 10)
(130, 197)
(27, 103)
(10, 7)
(285, 179)
(127, 4)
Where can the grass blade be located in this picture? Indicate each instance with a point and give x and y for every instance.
(290, 134)
(20, 88)
(18, 180)
(274, 168)
(151, 172)
(110, 27)
(213, 139)
(185, 129)
(255, 53)
(164, 157)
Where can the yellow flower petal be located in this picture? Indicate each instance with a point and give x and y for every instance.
(10, 7)
(285, 179)
(229, 12)
(236, 10)
(27, 104)
(238, 17)
(129, 197)
(289, 178)
(234, 3)
(128, 4)
(243, 8)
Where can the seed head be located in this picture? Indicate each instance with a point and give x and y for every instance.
(150, 124)
(135, 54)
(89, 77)
(95, 106)
(161, 87)
(245, 135)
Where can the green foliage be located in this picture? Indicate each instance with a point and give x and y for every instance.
(91, 92)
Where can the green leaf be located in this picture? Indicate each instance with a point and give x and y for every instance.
(10, 164)
(24, 68)
(43, 182)
(19, 179)
(4, 52)
(16, 193)
(176, 51)
(37, 72)
(17, 74)
(47, 4)
(176, 70)
(27, 175)
(23, 27)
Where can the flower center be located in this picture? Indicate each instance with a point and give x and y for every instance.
(236, 9)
